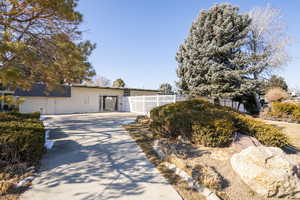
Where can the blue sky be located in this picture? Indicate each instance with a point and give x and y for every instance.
(137, 40)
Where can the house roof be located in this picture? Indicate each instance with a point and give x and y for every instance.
(114, 88)
(40, 90)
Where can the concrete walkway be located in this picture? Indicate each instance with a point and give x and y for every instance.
(93, 158)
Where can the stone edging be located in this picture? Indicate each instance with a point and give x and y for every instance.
(210, 195)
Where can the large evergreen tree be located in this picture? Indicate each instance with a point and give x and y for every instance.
(211, 61)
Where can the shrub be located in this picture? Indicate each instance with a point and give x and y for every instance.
(20, 126)
(21, 146)
(211, 125)
(21, 138)
(276, 94)
(285, 110)
(14, 116)
(265, 133)
(172, 120)
(214, 133)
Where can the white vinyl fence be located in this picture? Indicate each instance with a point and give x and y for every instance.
(232, 104)
(144, 104)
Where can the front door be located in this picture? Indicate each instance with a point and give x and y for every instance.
(110, 103)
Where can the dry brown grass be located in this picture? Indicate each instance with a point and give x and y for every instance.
(5, 186)
(144, 138)
(207, 176)
(9, 176)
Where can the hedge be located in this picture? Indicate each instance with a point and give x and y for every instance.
(14, 116)
(285, 111)
(212, 125)
(21, 137)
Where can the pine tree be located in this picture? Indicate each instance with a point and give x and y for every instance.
(211, 61)
(166, 89)
(119, 83)
(40, 42)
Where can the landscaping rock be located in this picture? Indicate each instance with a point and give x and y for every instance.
(180, 163)
(157, 149)
(210, 195)
(142, 119)
(25, 182)
(268, 171)
(242, 142)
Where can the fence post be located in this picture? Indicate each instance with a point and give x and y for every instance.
(174, 98)
(144, 105)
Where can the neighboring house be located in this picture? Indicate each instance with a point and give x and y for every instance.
(77, 99)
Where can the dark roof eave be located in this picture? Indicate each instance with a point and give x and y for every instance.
(114, 88)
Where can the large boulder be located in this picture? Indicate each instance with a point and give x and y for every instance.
(241, 142)
(268, 171)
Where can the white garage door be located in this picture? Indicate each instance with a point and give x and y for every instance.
(36, 105)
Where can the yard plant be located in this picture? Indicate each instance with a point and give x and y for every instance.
(21, 138)
(21, 146)
(285, 111)
(202, 122)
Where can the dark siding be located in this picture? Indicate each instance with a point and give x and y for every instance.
(40, 90)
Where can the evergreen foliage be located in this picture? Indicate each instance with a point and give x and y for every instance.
(119, 83)
(166, 89)
(212, 61)
(40, 42)
(208, 124)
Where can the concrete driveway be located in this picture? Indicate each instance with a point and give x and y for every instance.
(95, 158)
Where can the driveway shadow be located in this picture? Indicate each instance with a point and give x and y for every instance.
(98, 153)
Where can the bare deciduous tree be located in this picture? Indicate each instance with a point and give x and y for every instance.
(276, 94)
(267, 41)
(100, 81)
